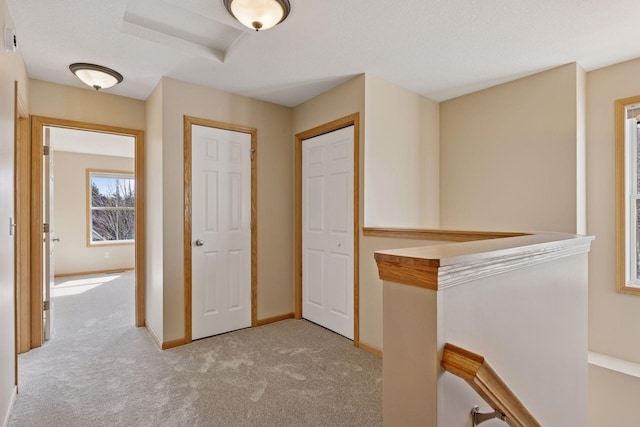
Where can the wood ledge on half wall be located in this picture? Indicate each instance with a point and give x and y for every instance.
(470, 256)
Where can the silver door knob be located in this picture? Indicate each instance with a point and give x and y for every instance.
(199, 242)
(339, 244)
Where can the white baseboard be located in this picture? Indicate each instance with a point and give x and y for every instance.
(615, 364)
(5, 422)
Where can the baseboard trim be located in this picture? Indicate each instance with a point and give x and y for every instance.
(86, 273)
(168, 344)
(175, 343)
(12, 401)
(274, 319)
(370, 348)
(153, 335)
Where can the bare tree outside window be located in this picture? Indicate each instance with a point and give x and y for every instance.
(112, 207)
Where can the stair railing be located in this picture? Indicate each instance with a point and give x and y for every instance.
(475, 370)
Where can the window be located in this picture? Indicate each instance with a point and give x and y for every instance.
(628, 195)
(111, 207)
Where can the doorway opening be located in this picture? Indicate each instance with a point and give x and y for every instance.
(95, 185)
(89, 206)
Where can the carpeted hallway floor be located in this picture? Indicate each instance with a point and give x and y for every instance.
(290, 373)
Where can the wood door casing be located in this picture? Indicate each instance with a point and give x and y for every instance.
(37, 125)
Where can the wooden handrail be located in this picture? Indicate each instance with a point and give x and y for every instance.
(436, 234)
(475, 370)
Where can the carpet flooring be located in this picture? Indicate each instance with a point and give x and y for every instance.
(290, 373)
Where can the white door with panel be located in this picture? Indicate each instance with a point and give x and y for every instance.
(327, 230)
(221, 231)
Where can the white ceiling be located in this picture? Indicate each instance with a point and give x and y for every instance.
(82, 141)
(438, 48)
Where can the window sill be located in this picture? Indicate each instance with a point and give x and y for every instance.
(614, 364)
(113, 243)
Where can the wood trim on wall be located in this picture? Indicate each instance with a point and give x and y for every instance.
(23, 220)
(188, 231)
(37, 331)
(86, 273)
(141, 213)
(275, 319)
(434, 234)
(438, 267)
(620, 119)
(370, 348)
(353, 119)
(188, 122)
(37, 124)
(476, 371)
(174, 343)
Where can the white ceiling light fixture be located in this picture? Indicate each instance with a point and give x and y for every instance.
(96, 76)
(259, 14)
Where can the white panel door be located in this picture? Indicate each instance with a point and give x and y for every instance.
(327, 230)
(221, 231)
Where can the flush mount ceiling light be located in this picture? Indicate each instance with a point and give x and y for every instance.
(258, 14)
(96, 76)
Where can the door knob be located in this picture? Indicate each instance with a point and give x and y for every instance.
(199, 242)
(339, 244)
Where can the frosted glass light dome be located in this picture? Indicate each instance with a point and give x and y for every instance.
(96, 76)
(258, 14)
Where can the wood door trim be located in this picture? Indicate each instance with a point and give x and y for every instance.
(436, 234)
(621, 164)
(21, 310)
(37, 124)
(188, 176)
(353, 119)
(37, 331)
(23, 236)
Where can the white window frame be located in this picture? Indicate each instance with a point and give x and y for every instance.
(631, 198)
(92, 173)
(627, 195)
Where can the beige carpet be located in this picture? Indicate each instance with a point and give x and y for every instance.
(290, 373)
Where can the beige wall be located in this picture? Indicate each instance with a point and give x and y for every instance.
(508, 155)
(346, 99)
(417, 122)
(401, 157)
(11, 70)
(613, 398)
(153, 296)
(72, 255)
(371, 285)
(85, 105)
(612, 316)
(275, 194)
